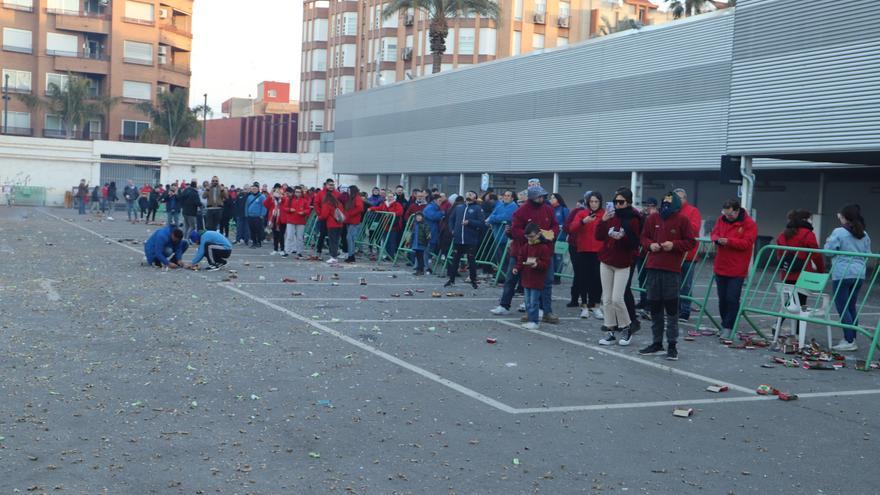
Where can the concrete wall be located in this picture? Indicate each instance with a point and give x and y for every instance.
(58, 165)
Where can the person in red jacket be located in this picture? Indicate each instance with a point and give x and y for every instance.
(317, 204)
(734, 236)
(332, 215)
(583, 228)
(294, 214)
(534, 261)
(619, 233)
(536, 210)
(354, 213)
(693, 215)
(798, 233)
(393, 206)
(667, 236)
(274, 222)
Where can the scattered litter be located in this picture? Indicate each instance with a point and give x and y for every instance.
(491, 340)
(764, 390)
(190, 367)
(315, 332)
(683, 412)
(314, 455)
(768, 365)
(689, 338)
(316, 278)
(362, 281)
(288, 280)
(436, 294)
(335, 276)
(295, 294)
(315, 375)
(325, 403)
(717, 388)
(454, 294)
(420, 290)
(335, 284)
(787, 397)
(395, 294)
(255, 397)
(515, 461)
(510, 365)
(363, 298)
(261, 278)
(408, 292)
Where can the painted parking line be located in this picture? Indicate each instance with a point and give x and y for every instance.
(433, 320)
(383, 299)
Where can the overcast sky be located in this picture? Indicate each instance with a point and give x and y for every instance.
(236, 45)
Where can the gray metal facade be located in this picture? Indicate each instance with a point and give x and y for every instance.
(656, 99)
(806, 78)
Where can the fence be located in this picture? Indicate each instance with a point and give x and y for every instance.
(25, 195)
(375, 231)
(311, 232)
(491, 252)
(405, 246)
(697, 270)
(781, 285)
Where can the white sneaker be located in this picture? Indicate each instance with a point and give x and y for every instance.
(530, 325)
(540, 313)
(109, 218)
(522, 308)
(585, 313)
(609, 339)
(499, 310)
(598, 313)
(844, 346)
(332, 261)
(625, 337)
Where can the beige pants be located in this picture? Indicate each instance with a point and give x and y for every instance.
(613, 287)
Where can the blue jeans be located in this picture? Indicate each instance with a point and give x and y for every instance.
(687, 277)
(350, 236)
(547, 293)
(132, 213)
(846, 294)
(241, 230)
(82, 206)
(729, 291)
(393, 242)
(173, 218)
(533, 301)
(510, 282)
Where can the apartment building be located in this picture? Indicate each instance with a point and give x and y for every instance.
(347, 46)
(131, 49)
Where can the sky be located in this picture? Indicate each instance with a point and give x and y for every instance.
(237, 45)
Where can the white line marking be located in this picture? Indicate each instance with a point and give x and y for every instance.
(298, 284)
(382, 299)
(639, 405)
(634, 359)
(439, 319)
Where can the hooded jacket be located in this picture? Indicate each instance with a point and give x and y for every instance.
(254, 206)
(294, 211)
(433, 216)
(619, 253)
(585, 234)
(733, 259)
(154, 248)
(189, 201)
(470, 234)
(675, 228)
(534, 277)
(691, 212)
(395, 208)
(539, 214)
(803, 238)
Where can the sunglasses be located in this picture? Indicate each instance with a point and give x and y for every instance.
(620, 201)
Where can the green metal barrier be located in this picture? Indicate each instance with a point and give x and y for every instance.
(405, 240)
(565, 270)
(311, 233)
(28, 196)
(765, 293)
(493, 249)
(375, 231)
(701, 267)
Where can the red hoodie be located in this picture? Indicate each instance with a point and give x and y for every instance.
(677, 229)
(294, 211)
(733, 259)
(693, 215)
(541, 215)
(803, 238)
(327, 213)
(619, 253)
(533, 278)
(585, 234)
(395, 208)
(354, 215)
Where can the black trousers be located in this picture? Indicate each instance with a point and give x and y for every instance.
(212, 218)
(278, 237)
(322, 235)
(576, 282)
(333, 236)
(590, 282)
(255, 226)
(217, 254)
(460, 250)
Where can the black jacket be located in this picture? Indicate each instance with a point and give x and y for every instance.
(189, 201)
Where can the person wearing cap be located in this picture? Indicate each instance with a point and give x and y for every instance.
(165, 248)
(466, 222)
(535, 210)
(649, 207)
(212, 245)
(668, 236)
(693, 215)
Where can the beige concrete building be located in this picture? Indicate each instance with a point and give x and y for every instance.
(347, 46)
(132, 49)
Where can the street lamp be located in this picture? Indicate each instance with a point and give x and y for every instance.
(205, 121)
(6, 105)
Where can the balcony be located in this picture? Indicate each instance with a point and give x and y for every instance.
(85, 22)
(80, 136)
(179, 5)
(85, 63)
(563, 21)
(176, 75)
(17, 131)
(129, 138)
(55, 133)
(178, 38)
(16, 6)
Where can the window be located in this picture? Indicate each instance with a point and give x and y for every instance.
(322, 4)
(389, 49)
(140, 12)
(132, 129)
(561, 41)
(63, 6)
(318, 90)
(517, 42)
(487, 41)
(348, 55)
(346, 85)
(59, 80)
(16, 121)
(466, 41)
(62, 45)
(321, 27)
(390, 22)
(409, 41)
(273, 93)
(316, 121)
(26, 5)
(349, 23)
(564, 9)
(53, 126)
(17, 40)
(137, 90)
(138, 53)
(319, 60)
(537, 41)
(387, 77)
(540, 6)
(19, 80)
(518, 9)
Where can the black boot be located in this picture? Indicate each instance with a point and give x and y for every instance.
(449, 282)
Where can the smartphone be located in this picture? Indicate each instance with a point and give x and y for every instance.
(609, 206)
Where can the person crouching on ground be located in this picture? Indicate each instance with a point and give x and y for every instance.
(734, 236)
(668, 236)
(212, 245)
(165, 248)
(534, 259)
(421, 236)
(618, 231)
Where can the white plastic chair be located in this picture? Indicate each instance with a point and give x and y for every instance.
(811, 285)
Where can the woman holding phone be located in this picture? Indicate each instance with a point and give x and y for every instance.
(583, 227)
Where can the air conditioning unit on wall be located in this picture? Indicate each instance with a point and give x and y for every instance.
(163, 13)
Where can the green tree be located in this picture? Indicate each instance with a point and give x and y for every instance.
(621, 25)
(174, 122)
(687, 8)
(74, 104)
(440, 11)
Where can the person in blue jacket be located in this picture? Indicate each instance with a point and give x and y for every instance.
(212, 245)
(255, 212)
(466, 223)
(165, 248)
(434, 215)
(502, 215)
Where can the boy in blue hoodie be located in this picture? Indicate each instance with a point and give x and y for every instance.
(421, 236)
(165, 248)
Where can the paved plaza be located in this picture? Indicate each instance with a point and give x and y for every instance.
(122, 379)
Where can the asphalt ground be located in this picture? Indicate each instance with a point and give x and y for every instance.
(122, 379)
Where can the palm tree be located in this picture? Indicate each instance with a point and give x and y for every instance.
(174, 122)
(440, 11)
(74, 104)
(687, 8)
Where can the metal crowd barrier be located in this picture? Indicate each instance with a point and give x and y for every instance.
(375, 231)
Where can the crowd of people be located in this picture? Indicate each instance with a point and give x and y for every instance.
(608, 244)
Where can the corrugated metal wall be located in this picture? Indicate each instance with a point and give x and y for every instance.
(650, 100)
(806, 77)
